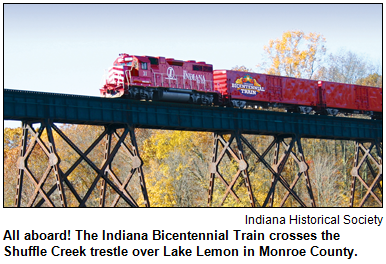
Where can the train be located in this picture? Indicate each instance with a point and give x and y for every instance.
(195, 82)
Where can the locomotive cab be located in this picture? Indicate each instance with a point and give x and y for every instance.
(127, 71)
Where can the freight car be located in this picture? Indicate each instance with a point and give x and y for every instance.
(297, 95)
(167, 79)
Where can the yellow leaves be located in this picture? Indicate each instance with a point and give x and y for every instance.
(12, 138)
(374, 80)
(241, 68)
(164, 169)
(295, 54)
(163, 143)
(176, 167)
(161, 191)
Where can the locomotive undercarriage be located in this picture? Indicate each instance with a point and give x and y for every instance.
(171, 95)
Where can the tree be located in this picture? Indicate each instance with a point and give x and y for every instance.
(176, 168)
(12, 138)
(327, 182)
(345, 67)
(296, 54)
(374, 80)
(242, 68)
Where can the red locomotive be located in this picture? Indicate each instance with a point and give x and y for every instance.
(163, 79)
(159, 78)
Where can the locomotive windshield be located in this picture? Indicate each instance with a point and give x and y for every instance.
(123, 64)
(124, 60)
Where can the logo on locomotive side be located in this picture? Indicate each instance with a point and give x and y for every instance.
(171, 74)
(248, 86)
(186, 75)
(194, 77)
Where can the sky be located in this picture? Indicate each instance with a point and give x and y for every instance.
(67, 48)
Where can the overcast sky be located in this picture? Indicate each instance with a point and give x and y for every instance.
(66, 48)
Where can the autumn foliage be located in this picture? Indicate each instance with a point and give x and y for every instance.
(296, 54)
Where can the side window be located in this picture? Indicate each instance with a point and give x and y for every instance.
(143, 65)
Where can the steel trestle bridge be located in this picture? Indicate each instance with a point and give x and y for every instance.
(287, 129)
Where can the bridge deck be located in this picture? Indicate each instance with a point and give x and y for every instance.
(74, 109)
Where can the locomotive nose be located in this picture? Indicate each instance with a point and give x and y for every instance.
(111, 91)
